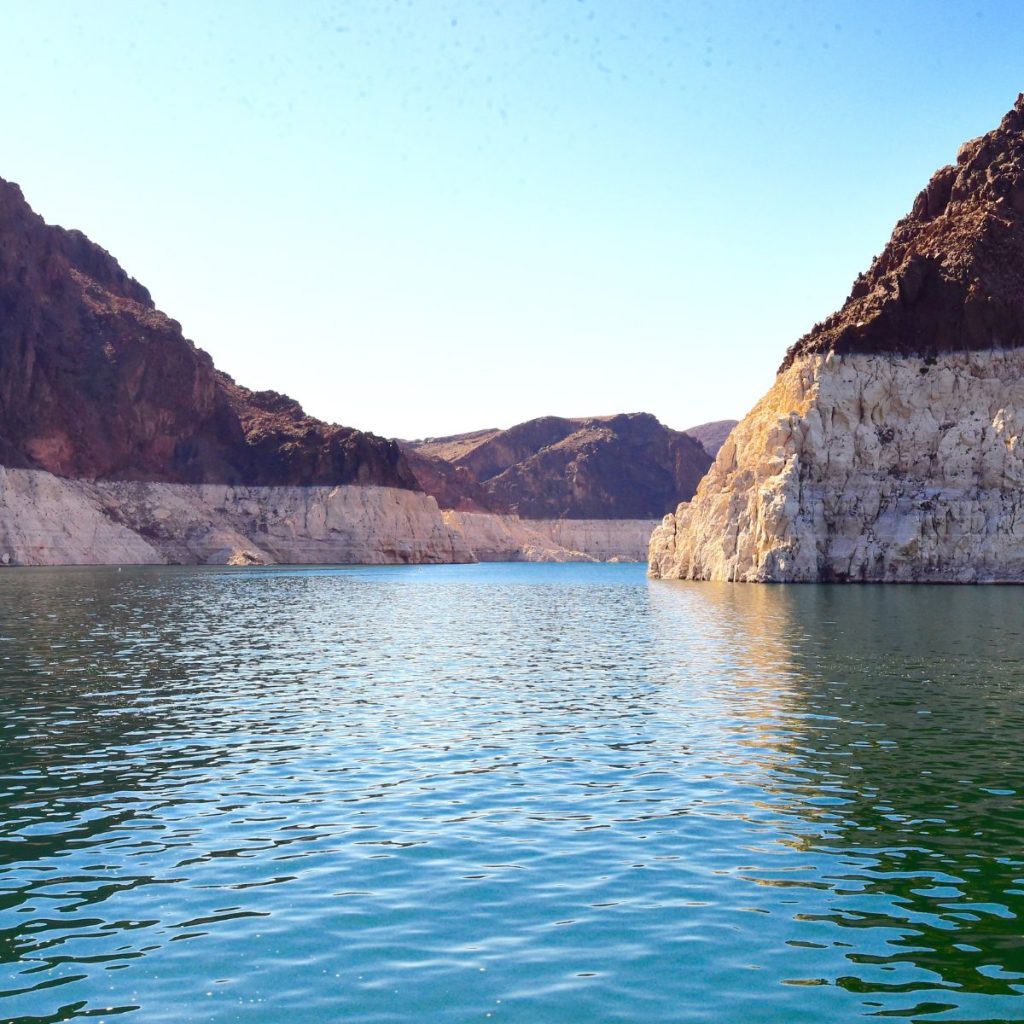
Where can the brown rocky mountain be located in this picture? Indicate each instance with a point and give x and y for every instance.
(628, 466)
(950, 277)
(96, 382)
(712, 435)
(453, 486)
(890, 447)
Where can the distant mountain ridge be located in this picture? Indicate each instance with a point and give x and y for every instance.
(712, 435)
(626, 466)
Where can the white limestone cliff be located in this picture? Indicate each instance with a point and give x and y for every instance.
(879, 467)
(50, 520)
(502, 538)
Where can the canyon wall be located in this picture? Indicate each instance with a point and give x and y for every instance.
(624, 467)
(51, 520)
(890, 446)
(508, 538)
(121, 442)
(865, 467)
(96, 382)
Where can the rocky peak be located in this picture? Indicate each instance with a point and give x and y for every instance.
(950, 277)
(96, 382)
(41, 252)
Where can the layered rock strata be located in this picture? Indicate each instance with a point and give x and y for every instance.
(869, 468)
(508, 538)
(890, 447)
(120, 442)
(47, 520)
(50, 520)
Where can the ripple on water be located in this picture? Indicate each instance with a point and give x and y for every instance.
(515, 793)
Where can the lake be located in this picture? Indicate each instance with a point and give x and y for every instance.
(508, 793)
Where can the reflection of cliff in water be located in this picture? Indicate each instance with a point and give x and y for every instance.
(726, 658)
(892, 724)
(922, 738)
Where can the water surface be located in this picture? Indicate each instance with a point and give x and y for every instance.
(511, 793)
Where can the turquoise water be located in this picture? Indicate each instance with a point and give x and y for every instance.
(506, 793)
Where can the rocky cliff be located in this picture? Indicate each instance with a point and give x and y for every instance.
(51, 520)
(626, 467)
(891, 447)
(121, 442)
(97, 383)
(493, 537)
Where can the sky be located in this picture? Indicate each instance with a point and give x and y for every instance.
(427, 217)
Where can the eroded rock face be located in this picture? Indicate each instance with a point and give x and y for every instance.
(454, 486)
(607, 467)
(95, 382)
(865, 467)
(890, 447)
(508, 538)
(51, 520)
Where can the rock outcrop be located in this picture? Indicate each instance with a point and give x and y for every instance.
(121, 442)
(454, 486)
(625, 467)
(508, 538)
(97, 383)
(891, 447)
(51, 520)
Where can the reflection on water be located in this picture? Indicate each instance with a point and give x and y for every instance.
(509, 793)
(898, 740)
(920, 743)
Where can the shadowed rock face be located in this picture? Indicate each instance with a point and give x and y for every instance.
(95, 382)
(613, 467)
(712, 435)
(454, 486)
(950, 278)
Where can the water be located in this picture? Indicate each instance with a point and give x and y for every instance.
(506, 793)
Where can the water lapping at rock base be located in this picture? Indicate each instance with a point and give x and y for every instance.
(506, 794)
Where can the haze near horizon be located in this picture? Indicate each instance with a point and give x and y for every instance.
(423, 219)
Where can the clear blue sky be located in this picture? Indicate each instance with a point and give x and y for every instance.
(427, 217)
